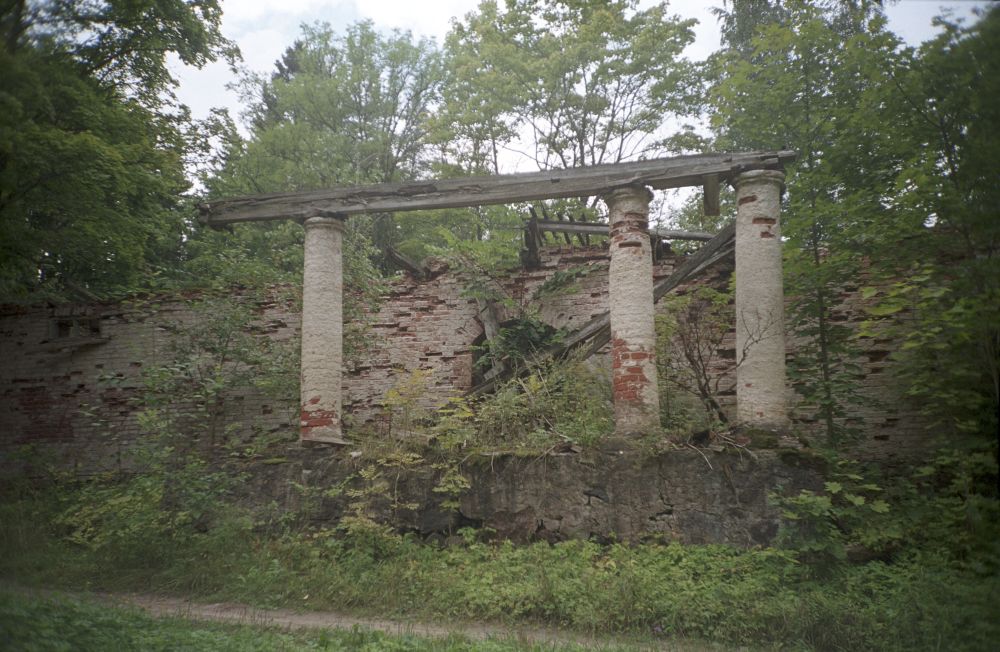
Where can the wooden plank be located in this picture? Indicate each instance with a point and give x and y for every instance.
(491, 328)
(593, 180)
(396, 257)
(597, 332)
(711, 198)
(592, 228)
(531, 259)
(582, 237)
(566, 236)
(707, 255)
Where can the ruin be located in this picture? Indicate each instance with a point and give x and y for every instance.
(625, 189)
(72, 378)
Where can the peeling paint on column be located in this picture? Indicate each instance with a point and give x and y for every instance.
(633, 336)
(322, 331)
(760, 329)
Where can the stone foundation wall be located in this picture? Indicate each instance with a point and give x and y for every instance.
(679, 495)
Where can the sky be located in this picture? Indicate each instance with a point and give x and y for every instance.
(264, 28)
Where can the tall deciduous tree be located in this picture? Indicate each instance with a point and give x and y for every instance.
(816, 81)
(896, 178)
(945, 251)
(339, 110)
(91, 145)
(588, 82)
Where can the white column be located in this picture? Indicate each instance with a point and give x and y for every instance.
(760, 302)
(322, 331)
(630, 295)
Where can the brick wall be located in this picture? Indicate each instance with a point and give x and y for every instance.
(69, 374)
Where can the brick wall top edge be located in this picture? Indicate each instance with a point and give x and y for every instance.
(20, 309)
(551, 254)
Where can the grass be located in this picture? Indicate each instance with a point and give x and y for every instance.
(758, 597)
(33, 623)
(935, 583)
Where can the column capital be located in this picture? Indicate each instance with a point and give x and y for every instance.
(323, 222)
(637, 192)
(776, 177)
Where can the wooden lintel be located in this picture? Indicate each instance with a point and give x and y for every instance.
(711, 202)
(594, 180)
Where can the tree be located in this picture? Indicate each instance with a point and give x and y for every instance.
(893, 185)
(91, 146)
(947, 287)
(600, 79)
(339, 110)
(816, 81)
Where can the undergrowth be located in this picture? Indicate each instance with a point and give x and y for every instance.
(863, 565)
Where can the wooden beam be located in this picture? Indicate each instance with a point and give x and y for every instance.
(711, 198)
(593, 228)
(597, 332)
(530, 257)
(594, 180)
(396, 257)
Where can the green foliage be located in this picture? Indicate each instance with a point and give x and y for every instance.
(404, 410)
(482, 266)
(946, 303)
(169, 496)
(218, 354)
(160, 520)
(122, 44)
(91, 150)
(931, 594)
(33, 623)
(947, 510)
(88, 194)
(451, 485)
(562, 281)
(562, 402)
(891, 182)
(949, 354)
(821, 527)
(516, 343)
(341, 109)
(601, 79)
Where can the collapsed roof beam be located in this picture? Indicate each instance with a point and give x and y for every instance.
(677, 172)
(597, 332)
(597, 228)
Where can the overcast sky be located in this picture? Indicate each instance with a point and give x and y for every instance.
(264, 28)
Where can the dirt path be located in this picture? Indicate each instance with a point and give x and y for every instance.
(162, 606)
(286, 618)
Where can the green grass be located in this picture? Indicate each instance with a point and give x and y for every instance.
(936, 587)
(31, 623)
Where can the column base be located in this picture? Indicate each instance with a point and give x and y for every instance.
(319, 437)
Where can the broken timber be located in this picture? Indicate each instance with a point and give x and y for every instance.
(676, 172)
(597, 228)
(597, 332)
